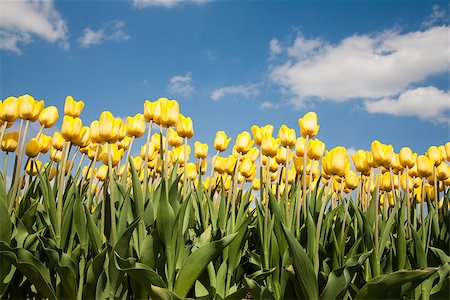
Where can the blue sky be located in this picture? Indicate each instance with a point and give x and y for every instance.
(370, 69)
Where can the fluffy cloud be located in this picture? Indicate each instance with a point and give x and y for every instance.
(181, 85)
(20, 21)
(427, 103)
(164, 3)
(371, 66)
(266, 105)
(246, 91)
(109, 31)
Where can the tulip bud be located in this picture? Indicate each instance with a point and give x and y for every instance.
(443, 171)
(246, 168)
(269, 145)
(316, 149)
(243, 142)
(434, 154)
(33, 148)
(136, 125)
(55, 155)
(33, 167)
(219, 165)
(406, 157)
(114, 152)
(10, 141)
(335, 162)
(447, 151)
(149, 110)
(221, 141)
(57, 141)
(173, 139)
(256, 184)
(287, 136)
(385, 183)
(45, 142)
(95, 131)
(201, 150)
(281, 156)
(191, 171)
(360, 162)
(184, 127)
(229, 164)
(124, 143)
(51, 171)
(102, 173)
(403, 178)
(258, 133)
(10, 111)
(300, 146)
(83, 139)
(48, 116)
(71, 128)
(308, 125)
(73, 108)
(351, 180)
(424, 166)
(26, 105)
(382, 154)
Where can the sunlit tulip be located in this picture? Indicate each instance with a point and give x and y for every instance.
(151, 151)
(219, 164)
(256, 184)
(136, 125)
(221, 141)
(87, 172)
(253, 154)
(273, 167)
(191, 171)
(26, 106)
(424, 166)
(351, 180)
(10, 111)
(55, 155)
(316, 148)
(395, 164)
(385, 182)
(229, 164)
(203, 164)
(258, 133)
(406, 157)
(390, 199)
(57, 141)
(269, 145)
(335, 161)
(51, 171)
(48, 116)
(149, 110)
(300, 146)
(33, 167)
(110, 128)
(287, 136)
(33, 148)
(114, 151)
(447, 151)
(10, 141)
(173, 139)
(413, 171)
(281, 156)
(184, 127)
(83, 139)
(166, 112)
(291, 175)
(382, 154)
(243, 142)
(102, 173)
(308, 125)
(73, 108)
(360, 162)
(434, 154)
(200, 150)
(313, 166)
(45, 143)
(124, 143)
(403, 178)
(247, 168)
(443, 171)
(156, 141)
(71, 128)
(298, 164)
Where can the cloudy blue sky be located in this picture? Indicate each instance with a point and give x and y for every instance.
(370, 69)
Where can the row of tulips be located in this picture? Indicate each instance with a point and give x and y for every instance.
(279, 218)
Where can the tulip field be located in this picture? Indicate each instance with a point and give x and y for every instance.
(269, 214)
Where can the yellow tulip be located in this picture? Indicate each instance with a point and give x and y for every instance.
(406, 157)
(33, 167)
(351, 180)
(385, 182)
(413, 171)
(443, 171)
(300, 146)
(200, 150)
(115, 152)
(10, 111)
(10, 141)
(434, 154)
(55, 155)
(102, 173)
(202, 166)
(184, 127)
(308, 125)
(291, 175)
(312, 167)
(229, 164)
(269, 145)
(109, 127)
(166, 112)
(136, 125)
(258, 133)
(256, 184)
(287, 136)
(360, 162)
(382, 154)
(173, 139)
(124, 143)
(45, 142)
(221, 141)
(149, 110)
(253, 154)
(219, 164)
(95, 131)
(191, 171)
(57, 141)
(48, 116)
(244, 142)
(51, 171)
(83, 139)
(178, 154)
(151, 151)
(87, 172)
(335, 161)
(447, 151)
(390, 199)
(71, 128)
(424, 166)
(247, 168)
(298, 164)
(156, 141)
(33, 148)
(38, 106)
(73, 108)
(281, 156)
(26, 105)
(316, 148)
(137, 163)
(403, 178)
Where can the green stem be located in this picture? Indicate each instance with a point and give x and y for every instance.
(112, 198)
(233, 197)
(145, 183)
(59, 198)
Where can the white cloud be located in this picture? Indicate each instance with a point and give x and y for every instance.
(361, 66)
(427, 103)
(181, 84)
(266, 105)
(21, 20)
(437, 15)
(246, 91)
(109, 31)
(275, 48)
(165, 3)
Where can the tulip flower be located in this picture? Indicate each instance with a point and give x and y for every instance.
(57, 141)
(173, 139)
(114, 151)
(95, 131)
(424, 166)
(191, 171)
(202, 166)
(447, 151)
(136, 125)
(221, 141)
(243, 142)
(55, 155)
(45, 142)
(229, 164)
(253, 154)
(184, 127)
(110, 128)
(335, 162)
(308, 125)
(287, 136)
(413, 171)
(26, 107)
(10, 110)
(316, 148)
(200, 150)
(351, 180)
(403, 180)
(434, 154)
(385, 182)
(33, 167)
(149, 110)
(71, 128)
(360, 162)
(166, 112)
(256, 184)
(300, 146)
(281, 156)
(247, 168)
(382, 154)
(33, 148)
(73, 108)
(219, 164)
(406, 157)
(124, 143)
(102, 173)
(258, 133)
(269, 145)
(443, 171)
(48, 116)
(10, 141)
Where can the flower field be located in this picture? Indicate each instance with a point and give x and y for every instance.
(279, 217)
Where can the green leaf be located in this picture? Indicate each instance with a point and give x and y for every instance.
(5, 224)
(165, 217)
(34, 270)
(394, 285)
(303, 267)
(196, 263)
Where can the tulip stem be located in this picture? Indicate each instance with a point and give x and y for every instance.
(185, 154)
(127, 161)
(146, 160)
(286, 182)
(5, 168)
(233, 197)
(436, 189)
(5, 124)
(408, 205)
(422, 212)
(94, 174)
(376, 208)
(305, 204)
(112, 198)
(267, 234)
(211, 181)
(38, 135)
(59, 198)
